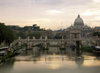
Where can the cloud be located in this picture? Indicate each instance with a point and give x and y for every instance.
(44, 2)
(69, 2)
(96, 1)
(53, 12)
(89, 13)
(48, 12)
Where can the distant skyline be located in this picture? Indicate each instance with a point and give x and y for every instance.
(53, 14)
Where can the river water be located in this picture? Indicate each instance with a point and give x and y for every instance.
(51, 61)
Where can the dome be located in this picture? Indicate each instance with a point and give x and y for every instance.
(78, 21)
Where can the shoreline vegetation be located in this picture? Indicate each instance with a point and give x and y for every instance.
(90, 49)
(9, 55)
(87, 49)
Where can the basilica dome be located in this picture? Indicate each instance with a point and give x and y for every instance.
(78, 21)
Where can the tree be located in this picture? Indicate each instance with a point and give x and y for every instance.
(30, 35)
(10, 36)
(21, 34)
(96, 34)
(2, 32)
(36, 35)
(6, 34)
(58, 37)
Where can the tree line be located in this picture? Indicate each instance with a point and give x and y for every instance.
(96, 34)
(6, 34)
(23, 35)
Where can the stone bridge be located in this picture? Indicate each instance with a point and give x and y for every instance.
(31, 42)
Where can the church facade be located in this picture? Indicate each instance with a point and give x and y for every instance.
(80, 27)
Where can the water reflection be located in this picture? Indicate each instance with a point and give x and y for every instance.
(79, 60)
(7, 67)
(54, 54)
(54, 60)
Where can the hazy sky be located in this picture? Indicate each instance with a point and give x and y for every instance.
(49, 13)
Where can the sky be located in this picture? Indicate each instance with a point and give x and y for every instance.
(49, 14)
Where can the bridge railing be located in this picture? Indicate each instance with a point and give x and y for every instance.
(40, 40)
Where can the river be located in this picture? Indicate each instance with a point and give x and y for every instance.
(51, 61)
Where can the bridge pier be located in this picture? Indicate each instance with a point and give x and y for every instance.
(78, 49)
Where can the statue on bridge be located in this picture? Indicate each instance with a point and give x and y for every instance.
(46, 38)
(33, 38)
(41, 38)
(19, 37)
(28, 37)
(62, 44)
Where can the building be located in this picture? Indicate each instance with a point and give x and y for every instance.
(75, 34)
(97, 29)
(80, 27)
